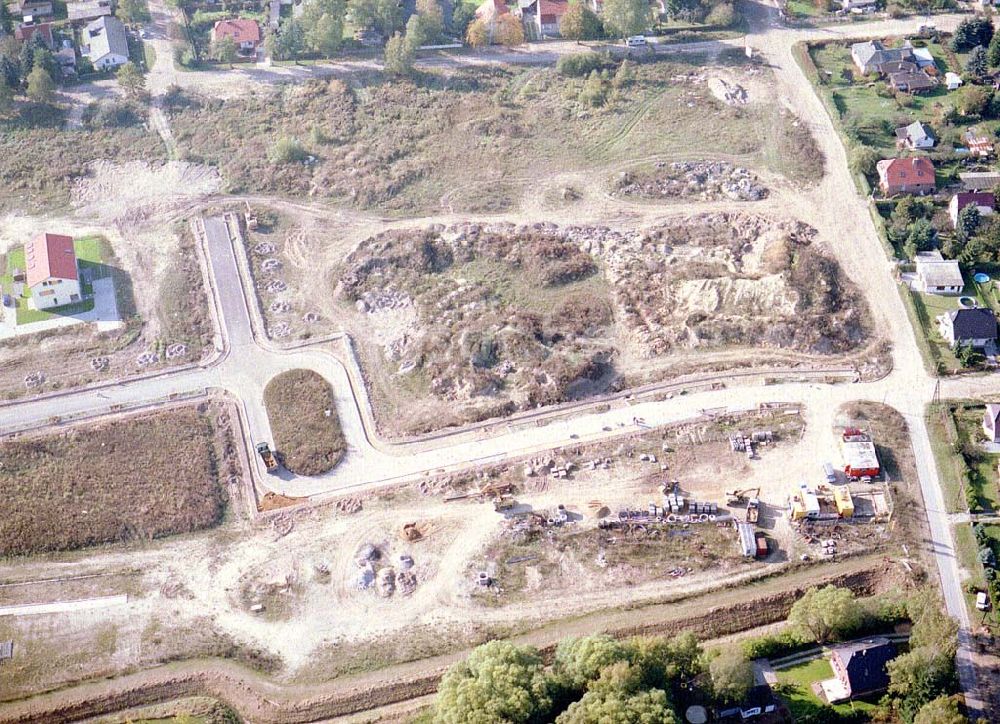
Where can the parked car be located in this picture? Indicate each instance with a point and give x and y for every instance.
(636, 41)
(982, 601)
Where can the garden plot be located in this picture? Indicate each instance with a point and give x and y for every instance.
(483, 320)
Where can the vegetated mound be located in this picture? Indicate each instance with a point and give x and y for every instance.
(514, 316)
(303, 414)
(729, 279)
(706, 180)
(140, 477)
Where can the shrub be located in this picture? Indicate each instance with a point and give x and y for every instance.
(772, 646)
(287, 150)
(577, 66)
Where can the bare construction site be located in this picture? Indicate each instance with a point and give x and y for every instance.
(485, 360)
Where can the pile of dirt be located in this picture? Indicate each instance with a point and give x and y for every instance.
(706, 180)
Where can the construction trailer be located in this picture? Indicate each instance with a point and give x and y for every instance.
(746, 539)
(858, 451)
(844, 501)
(803, 504)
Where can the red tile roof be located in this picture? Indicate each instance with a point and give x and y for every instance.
(50, 256)
(499, 7)
(552, 10)
(24, 33)
(909, 172)
(241, 30)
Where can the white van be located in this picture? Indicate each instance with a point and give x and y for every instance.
(636, 41)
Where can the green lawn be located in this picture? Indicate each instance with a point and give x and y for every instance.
(91, 252)
(951, 468)
(795, 687)
(804, 8)
(984, 472)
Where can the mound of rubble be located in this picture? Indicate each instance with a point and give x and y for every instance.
(705, 180)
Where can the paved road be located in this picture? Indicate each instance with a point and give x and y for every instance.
(835, 207)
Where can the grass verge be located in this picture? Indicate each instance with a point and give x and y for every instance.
(303, 415)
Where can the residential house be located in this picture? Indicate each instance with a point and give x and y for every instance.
(759, 705)
(545, 15)
(906, 176)
(911, 81)
(859, 668)
(924, 59)
(982, 200)
(858, 6)
(86, 10)
(31, 9)
(976, 327)
(937, 275)
(871, 55)
(953, 81)
(52, 275)
(979, 146)
(104, 43)
(980, 180)
(991, 422)
(26, 33)
(243, 31)
(915, 136)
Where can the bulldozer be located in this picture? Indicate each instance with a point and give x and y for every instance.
(739, 497)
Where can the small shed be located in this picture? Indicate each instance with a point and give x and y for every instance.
(845, 503)
(6, 650)
(952, 81)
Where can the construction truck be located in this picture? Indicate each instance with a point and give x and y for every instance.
(270, 462)
(753, 510)
(503, 503)
(736, 497)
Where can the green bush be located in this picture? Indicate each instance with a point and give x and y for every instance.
(772, 646)
(577, 66)
(287, 150)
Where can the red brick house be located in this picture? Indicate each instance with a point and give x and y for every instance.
(244, 32)
(906, 176)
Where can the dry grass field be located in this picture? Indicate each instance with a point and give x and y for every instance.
(303, 415)
(473, 140)
(133, 478)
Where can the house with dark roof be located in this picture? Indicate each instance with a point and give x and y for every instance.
(51, 271)
(911, 81)
(976, 327)
(916, 136)
(859, 669)
(906, 176)
(982, 200)
(871, 55)
(991, 422)
(759, 705)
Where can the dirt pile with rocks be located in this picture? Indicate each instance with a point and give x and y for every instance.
(705, 180)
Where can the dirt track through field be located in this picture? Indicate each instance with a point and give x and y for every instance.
(261, 700)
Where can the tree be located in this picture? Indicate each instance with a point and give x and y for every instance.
(863, 160)
(943, 710)
(732, 675)
(973, 100)
(509, 30)
(972, 32)
(323, 21)
(977, 62)
(498, 682)
(398, 56)
(993, 52)
(10, 71)
(580, 23)
(131, 80)
(385, 16)
(826, 613)
(6, 23)
(462, 17)
(918, 677)
(6, 97)
(618, 697)
(626, 17)
(288, 41)
(431, 19)
(287, 150)
(968, 222)
(920, 236)
(580, 660)
(722, 15)
(133, 12)
(26, 60)
(224, 49)
(40, 85)
(477, 35)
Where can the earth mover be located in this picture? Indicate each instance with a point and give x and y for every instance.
(270, 462)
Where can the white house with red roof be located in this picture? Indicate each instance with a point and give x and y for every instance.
(243, 31)
(51, 271)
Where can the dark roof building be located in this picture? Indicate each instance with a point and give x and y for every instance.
(759, 705)
(861, 665)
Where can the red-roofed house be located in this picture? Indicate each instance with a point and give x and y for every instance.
(906, 176)
(982, 200)
(244, 32)
(52, 275)
(26, 33)
(547, 15)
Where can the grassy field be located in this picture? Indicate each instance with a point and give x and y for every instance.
(303, 415)
(91, 253)
(135, 478)
(476, 137)
(951, 467)
(794, 686)
(39, 159)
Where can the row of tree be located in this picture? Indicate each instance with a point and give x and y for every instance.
(598, 678)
